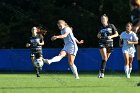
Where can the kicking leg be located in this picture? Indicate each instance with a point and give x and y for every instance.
(56, 58)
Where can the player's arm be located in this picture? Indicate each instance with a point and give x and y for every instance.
(114, 31)
(120, 42)
(60, 36)
(28, 44)
(114, 35)
(79, 42)
(132, 42)
(99, 35)
(41, 43)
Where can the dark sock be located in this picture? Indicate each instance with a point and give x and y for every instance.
(37, 72)
(103, 65)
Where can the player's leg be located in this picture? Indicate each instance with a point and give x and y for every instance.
(73, 67)
(56, 58)
(38, 55)
(37, 71)
(109, 50)
(131, 56)
(130, 65)
(126, 66)
(103, 52)
(33, 59)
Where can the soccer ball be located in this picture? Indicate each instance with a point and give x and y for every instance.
(38, 63)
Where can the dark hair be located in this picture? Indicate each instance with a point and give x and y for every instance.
(129, 23)
(104, 15)
(41, 30)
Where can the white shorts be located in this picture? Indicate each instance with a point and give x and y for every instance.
(71, 49)
(130, 50)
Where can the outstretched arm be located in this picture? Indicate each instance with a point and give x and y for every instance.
(79, 42)
(59, 36)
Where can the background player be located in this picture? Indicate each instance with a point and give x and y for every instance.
(129, 38)
(106, 34)
(35, 43)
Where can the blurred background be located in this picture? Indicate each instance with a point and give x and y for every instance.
(17, 17)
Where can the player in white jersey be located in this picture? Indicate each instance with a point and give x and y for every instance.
(70, 47)
(127, 40)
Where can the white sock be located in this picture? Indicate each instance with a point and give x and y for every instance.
(126, 69)
(74, 70)
(130, 69)
(55, 59)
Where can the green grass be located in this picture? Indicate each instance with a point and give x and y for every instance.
(66, 83)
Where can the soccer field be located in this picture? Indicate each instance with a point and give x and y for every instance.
(66, 83)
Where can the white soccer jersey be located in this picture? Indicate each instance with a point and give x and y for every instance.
(128, 48)
(70, 43)
(128, 37)
(70, 39)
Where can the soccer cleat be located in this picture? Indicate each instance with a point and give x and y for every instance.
(77, 77)
(128, 76)
(101, 75)
(37, 75)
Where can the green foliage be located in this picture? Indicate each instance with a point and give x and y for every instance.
(18, 17)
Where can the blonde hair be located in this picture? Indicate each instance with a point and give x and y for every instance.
(64, 22)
